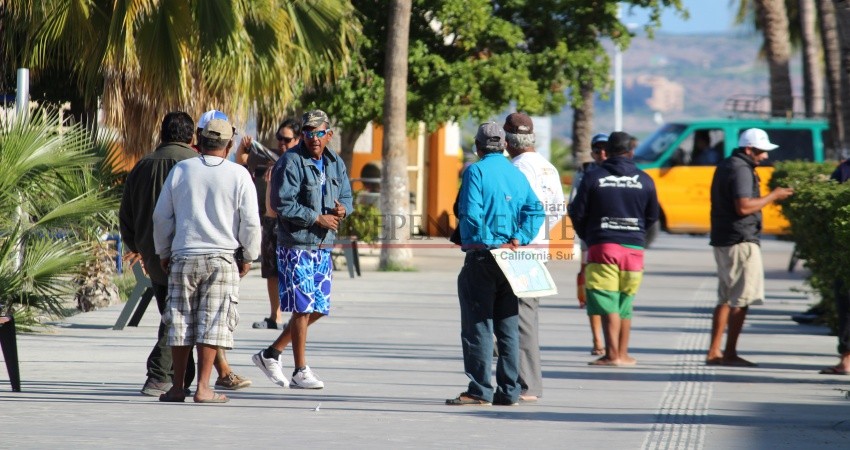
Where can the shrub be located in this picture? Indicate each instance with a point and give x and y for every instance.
(364, 222)
(820, 225)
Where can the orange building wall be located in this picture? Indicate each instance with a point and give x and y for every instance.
(443, 183)
(359, 160)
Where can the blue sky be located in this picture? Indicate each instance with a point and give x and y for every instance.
(706, 16)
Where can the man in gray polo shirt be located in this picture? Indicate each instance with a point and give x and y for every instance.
(736, 205)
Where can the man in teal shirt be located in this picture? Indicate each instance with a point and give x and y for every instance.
(497, 208)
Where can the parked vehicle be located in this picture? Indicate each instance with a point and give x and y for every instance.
(681, 158)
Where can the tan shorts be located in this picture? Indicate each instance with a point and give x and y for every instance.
(741, 275)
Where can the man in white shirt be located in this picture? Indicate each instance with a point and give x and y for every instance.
(215, 204)
(546, 184)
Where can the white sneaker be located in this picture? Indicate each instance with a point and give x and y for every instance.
(272, 368)
(305, 379)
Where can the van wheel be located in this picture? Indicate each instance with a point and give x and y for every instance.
(652, 233)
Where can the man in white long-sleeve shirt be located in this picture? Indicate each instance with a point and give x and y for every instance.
(546, 184)
(206, 211)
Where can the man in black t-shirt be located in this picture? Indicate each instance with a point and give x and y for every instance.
(736, 205)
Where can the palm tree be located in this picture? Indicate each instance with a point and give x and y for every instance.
(583, 124)
(395, 200)
(832, 59)
(45, 210)
(146, 57)
(812, 72)
(773, 17)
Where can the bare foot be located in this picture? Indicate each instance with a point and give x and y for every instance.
(627, 361)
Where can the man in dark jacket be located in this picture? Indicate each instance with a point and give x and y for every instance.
(141, 191)
(615, 205)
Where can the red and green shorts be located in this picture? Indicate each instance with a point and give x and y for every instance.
(612, 277)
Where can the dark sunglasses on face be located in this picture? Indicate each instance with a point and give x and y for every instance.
(315, 134)
(284, 139)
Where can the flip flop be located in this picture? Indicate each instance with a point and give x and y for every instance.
(718, 361)
(833, 371)
(166, 397)
(464, 399)
(597, 351)
(601, 362)
(216, 398)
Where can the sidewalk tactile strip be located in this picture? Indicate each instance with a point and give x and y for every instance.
(680, 420)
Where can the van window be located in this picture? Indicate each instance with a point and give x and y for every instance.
(653, 147)
(793, 145)
(703, 147)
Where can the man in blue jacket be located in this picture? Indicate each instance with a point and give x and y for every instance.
(311, 193)
(497, 208)
(615, 205)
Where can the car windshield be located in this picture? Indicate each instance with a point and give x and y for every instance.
(653, 147)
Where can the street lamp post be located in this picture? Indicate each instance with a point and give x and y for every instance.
(618, 88)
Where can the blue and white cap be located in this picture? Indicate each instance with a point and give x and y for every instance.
(597, 138)
(210, 115)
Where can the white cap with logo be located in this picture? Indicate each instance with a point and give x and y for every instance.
(756, 138)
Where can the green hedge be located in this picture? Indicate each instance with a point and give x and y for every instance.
(819, 213)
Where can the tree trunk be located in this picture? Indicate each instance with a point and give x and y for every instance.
(842, 15)
(583, 125)
(774, 19)
(812, 70)
(395, 197)
(346, 148)
(832, 59)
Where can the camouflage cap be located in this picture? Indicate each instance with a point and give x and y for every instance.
(314, 119)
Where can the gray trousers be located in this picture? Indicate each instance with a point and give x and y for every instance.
(530, 372)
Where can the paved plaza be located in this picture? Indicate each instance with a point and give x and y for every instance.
(390, 355)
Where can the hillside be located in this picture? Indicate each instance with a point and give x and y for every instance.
(709, 68)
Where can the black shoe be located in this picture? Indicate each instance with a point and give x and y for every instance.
(502, 401)
(267, 323)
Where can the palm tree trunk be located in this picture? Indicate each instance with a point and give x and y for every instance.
(832, 60)
(842, 15)
(774, 19)
(395, 197)
(812, 70)
(583, 125)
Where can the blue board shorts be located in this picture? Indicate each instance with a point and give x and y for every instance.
(304, 280)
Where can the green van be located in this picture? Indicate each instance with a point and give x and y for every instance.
(680, 157)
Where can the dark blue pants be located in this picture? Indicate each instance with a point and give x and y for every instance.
(488, 306)
(842, 307)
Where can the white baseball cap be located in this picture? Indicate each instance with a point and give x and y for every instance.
(756, 138)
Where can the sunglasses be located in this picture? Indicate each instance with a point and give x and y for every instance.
(315, 134)
(283, 139)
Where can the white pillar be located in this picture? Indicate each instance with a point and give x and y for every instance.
(22, 96)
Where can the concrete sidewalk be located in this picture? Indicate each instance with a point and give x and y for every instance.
(390, 354)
